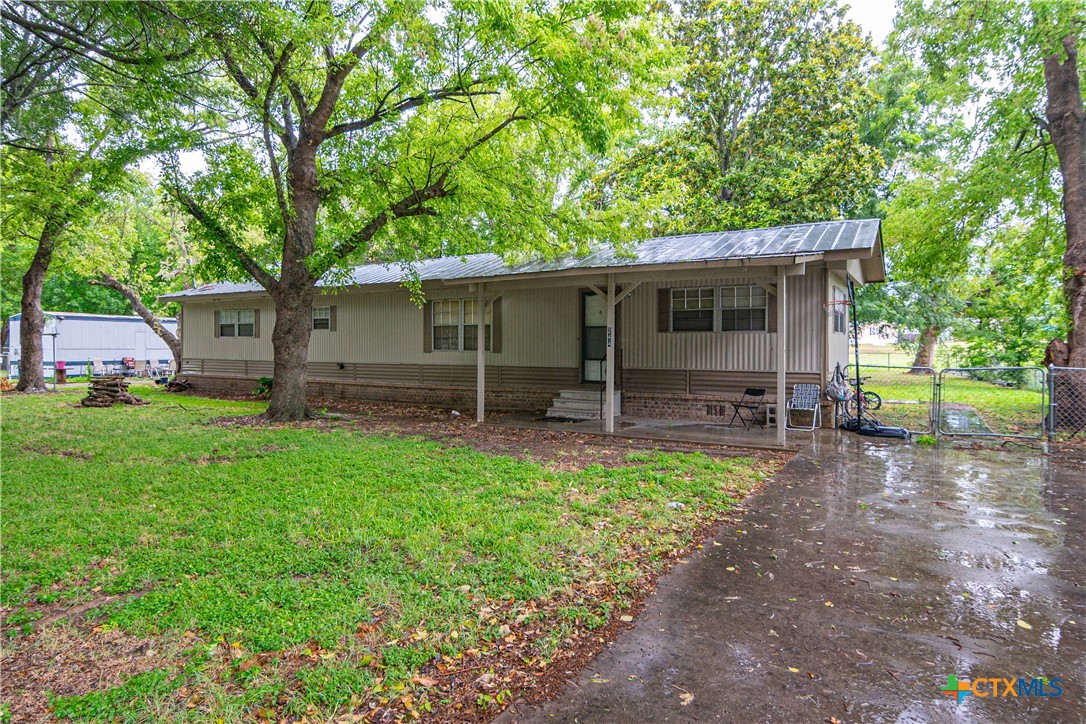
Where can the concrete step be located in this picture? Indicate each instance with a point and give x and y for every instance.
(585, 393)
(577, 405)
(572, 414)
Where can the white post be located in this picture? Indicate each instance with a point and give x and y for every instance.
(609, 403)
(782, 352)
(480, 355)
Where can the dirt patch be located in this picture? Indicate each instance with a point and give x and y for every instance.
(558, 450)
(70, 660)
(58, 452)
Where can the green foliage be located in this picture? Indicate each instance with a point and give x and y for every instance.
(973, 229)
(503, 102)
(771, 99)
(263, 388)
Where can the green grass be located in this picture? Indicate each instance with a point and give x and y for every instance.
(222, 542)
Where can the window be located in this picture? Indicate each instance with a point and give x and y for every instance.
(456, 325)
(692, 310)
(237, 323)
(840, 312)
(322, 318)
(447, 324)
(743, 309)
(471, 325)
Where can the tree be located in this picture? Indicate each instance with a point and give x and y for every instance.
(1066, 126)
(66, 99)
(1016, 62)
(397, 133)
(771, 101)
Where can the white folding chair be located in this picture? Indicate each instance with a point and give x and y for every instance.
(805, 398)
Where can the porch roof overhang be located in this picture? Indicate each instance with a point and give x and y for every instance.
(854, 246)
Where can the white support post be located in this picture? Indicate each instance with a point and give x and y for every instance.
(782, 352)
(609, 403)
(480, 355)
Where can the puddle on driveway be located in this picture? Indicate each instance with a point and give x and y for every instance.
(864, 574)
(957, 420)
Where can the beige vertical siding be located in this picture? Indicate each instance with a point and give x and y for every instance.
(838, 343)
(540, 329)
(644, 347)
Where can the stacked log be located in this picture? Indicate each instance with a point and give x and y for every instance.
(108, 391)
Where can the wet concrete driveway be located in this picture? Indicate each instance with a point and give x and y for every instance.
(862, 576)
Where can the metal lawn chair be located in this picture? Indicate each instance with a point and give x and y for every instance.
(748, 407)
(805, 398)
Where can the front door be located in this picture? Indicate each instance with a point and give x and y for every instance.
(593, 338)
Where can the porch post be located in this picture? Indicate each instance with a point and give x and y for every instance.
(480, 355)
(782, 352)
(609, 402)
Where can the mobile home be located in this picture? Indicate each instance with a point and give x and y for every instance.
(81, 338)
(674, 327)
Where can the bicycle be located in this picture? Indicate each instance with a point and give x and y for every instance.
(861, 404)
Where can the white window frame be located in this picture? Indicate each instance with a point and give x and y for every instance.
(686, 295)
(459, 309)
(236, 320)
(840, 311)
(735, 299)
(322, 314)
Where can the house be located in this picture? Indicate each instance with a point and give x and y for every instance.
(677, 327)
(82, 338)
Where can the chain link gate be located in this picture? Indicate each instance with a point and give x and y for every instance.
(898, 396)
(1067, 402)
(992, 402)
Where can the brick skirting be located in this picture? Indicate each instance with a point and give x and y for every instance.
(461, 398)
(711, 408)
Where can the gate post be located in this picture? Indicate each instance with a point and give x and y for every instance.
(1050, 422)
(936, 402)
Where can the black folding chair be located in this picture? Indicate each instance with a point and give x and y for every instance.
(748, 407)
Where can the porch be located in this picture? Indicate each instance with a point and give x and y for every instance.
(697, 432)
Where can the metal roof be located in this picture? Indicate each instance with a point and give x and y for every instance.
(87, 317)
(858, 236)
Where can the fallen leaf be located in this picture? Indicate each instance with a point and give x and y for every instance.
(423, 680)
(793, 670)
(627, 619)
(686, 698)
(1024, 625)
(829, 603)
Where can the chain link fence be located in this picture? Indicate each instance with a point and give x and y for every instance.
(992, 401)
(898, 396)
(1067, 411)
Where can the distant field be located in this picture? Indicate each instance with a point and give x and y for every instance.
(885, 355)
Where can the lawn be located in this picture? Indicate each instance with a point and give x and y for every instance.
(159, 564)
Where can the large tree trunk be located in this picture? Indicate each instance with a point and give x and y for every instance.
(1067, 128)
(146, 314)
(925, 353)
(290, 341)
(293, 295)
(32, 324)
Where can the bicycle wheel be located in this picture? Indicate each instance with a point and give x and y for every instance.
(872, 401)
(853, 406)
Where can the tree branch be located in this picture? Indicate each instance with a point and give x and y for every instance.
(152, 321)
(403, 105)
(223, 237)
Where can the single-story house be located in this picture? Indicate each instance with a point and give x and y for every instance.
(675, 327)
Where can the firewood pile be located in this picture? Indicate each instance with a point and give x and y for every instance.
(109, 391)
